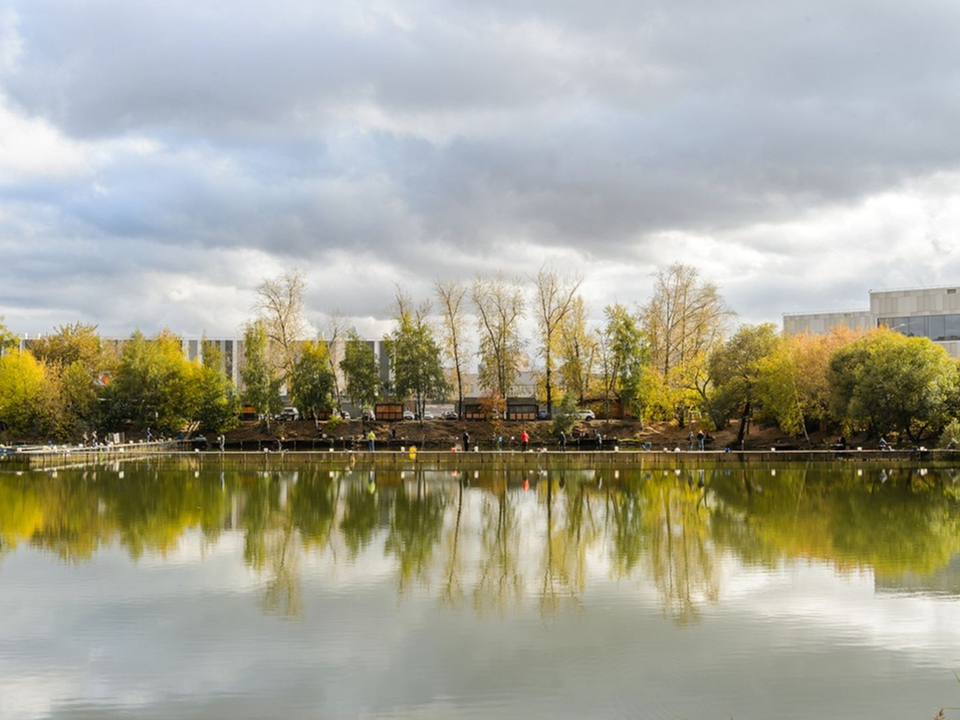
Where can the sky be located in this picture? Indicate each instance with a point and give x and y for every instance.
(158, 160)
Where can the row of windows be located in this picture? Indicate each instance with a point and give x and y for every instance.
(935, 327)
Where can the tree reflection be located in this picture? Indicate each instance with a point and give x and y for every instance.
(478, 534)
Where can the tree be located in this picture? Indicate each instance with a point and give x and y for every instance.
(795, 380)
(261, 384)
(77, 360)
(684, 320)
(311, 382)
(499, 305)
(451, 297)
(735, 373)
(154, 385)
(279, 304)
(624, 359)
(335, 330)
(22, 392)
(578, 351)
(415, 355)
(554, 301)
(359, 367)
(216, 397)
(888, 382)
(8, 341)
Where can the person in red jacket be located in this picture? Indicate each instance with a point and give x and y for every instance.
(524, 439)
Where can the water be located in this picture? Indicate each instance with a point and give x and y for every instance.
(192, 590)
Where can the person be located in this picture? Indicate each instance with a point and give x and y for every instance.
(700, 439)
(149, 435)
(841, 443)
(371, 440)
(222, 440)
(466, 441)
(883, 444)
(599, 438)
(563, 441)
(524, 440)
(690, 440)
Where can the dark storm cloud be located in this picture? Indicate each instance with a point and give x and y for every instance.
(402, 141)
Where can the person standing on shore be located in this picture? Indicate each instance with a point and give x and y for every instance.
(524, 440)
(466, 440)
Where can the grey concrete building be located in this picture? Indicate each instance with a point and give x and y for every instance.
(931, 312)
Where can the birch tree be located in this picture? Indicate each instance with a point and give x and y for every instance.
(555, 296)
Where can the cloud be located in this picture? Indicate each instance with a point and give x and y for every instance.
(798, 155)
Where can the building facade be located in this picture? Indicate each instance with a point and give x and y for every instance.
(932, 312)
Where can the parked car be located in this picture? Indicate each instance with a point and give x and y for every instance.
(367, 415)
(451, 415)
(586, 415)
(408, 415)
(429, 416)
(288, 413)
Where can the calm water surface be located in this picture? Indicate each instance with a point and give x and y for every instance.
(207, 590)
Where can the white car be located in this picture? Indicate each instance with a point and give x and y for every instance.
(288, 413)
(586, 415)
(407, 415)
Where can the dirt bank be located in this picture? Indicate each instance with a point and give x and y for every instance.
(449, 433)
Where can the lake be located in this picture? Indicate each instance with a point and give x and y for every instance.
(206, 588)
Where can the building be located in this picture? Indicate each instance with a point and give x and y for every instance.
(932, 312)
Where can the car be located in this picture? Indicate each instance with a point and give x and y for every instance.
(367, 415)
(288, 413)
(450, 415)
(586, 415)
(408, 415)
(429, 416)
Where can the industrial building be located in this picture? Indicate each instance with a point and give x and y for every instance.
(932, 312)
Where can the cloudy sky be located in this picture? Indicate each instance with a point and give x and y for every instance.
(159, 159)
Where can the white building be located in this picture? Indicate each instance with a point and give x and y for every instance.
(922, 312)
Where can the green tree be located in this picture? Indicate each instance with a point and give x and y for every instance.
(888, 382)
(260, 382)
(77, 361)
(312, 382)
(624, 360)
(415, 355)
(360, 370)
(735, 374)
(154, 386)
(217, 401)
(8, 341)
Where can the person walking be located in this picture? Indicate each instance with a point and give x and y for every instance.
(371, 440)
(563, 441)
(700, 439)
(466, 441)
(524, 440)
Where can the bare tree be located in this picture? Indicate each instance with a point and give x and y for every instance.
(499, 305)
(451, 296)
(279, 303)
(555, 299)
(684, 319)
(334, 332)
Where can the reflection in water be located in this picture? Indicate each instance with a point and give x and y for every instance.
(496, 536)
